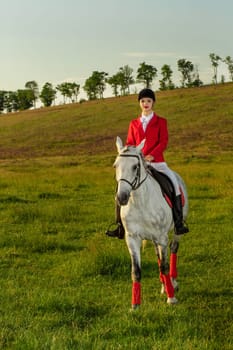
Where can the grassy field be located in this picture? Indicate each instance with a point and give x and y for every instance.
(63, 284)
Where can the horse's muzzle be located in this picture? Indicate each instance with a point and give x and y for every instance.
(123, 198)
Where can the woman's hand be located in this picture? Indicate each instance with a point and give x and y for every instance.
(149, 158)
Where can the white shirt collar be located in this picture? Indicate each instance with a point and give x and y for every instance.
(146, 118)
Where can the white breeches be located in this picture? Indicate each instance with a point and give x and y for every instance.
(163, 168)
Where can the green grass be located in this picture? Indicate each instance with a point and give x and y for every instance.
(64, 285)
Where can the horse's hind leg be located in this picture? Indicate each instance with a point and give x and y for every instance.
(164, 269)
(174, 246)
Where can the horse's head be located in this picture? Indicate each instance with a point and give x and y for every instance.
(130, 170)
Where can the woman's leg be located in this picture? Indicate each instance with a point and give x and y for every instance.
(177, 209)
(163, 168)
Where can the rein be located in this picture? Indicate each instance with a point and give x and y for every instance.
(137, 182)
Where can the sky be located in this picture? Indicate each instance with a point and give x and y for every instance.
(66, 40)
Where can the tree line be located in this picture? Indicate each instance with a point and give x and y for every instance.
(120, 83)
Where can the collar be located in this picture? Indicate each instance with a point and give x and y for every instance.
(146, 118)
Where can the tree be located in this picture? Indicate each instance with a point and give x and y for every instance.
(48, 94)
(125, 79)
(69, 90)
(186, 68)
(2, 100)
(222, 79)
(64, 90)
(25, 98)
(90, 88)
(12, 101)
(146, 73)
(115, 82)
(17, 100)
(166, 82)
(229, 62)
(122, 82)
(7, 102)
(100, 78)
(196, 82)
(74, 88)
(33, 86)
(215, 63)
(95, 85)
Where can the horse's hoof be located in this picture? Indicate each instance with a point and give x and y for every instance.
(175, 284)
(172, 301)
(135, 307)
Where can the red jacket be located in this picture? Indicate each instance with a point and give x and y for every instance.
(156, 136)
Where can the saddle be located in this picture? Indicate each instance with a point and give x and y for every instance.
(165, 183)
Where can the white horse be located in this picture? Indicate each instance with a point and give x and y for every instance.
(146, 215)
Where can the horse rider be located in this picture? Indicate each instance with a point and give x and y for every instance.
(153, 129)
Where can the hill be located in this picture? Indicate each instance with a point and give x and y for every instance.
(64, 284)
(200, 124)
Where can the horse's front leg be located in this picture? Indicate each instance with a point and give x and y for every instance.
(157, 252)
(165, 273)
(134, 246)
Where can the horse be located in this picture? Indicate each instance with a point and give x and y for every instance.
(146, 215)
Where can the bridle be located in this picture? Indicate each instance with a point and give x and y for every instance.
(137, 182)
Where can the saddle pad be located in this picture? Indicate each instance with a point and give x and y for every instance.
(166, 185)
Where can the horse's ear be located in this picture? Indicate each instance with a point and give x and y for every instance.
(141, 145)
(119, 144)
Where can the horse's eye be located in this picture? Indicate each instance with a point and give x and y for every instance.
(135, 167)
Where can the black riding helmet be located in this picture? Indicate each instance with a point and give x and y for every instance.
(146, 93)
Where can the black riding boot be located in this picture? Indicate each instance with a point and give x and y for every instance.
(119, 232)
(177, 210)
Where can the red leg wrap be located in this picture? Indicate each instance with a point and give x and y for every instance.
(136, 293)
(173, 261)
(161, 277)
(168, 286)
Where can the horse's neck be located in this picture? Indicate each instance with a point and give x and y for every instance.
(149, 187)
